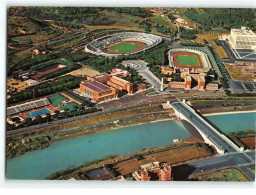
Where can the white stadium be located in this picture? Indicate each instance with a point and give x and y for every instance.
(98, 46)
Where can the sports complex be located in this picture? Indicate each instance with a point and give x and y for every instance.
(191, 58)
(123, 43)
(31, 109)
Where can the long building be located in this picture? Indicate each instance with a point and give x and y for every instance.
(98, 91)
(199, 78)
(120, 84)
(113, 81)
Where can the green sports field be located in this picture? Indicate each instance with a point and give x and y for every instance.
(56, 99)
(124, 47)
(70, 106)
(188, 60)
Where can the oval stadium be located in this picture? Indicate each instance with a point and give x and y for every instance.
(123, 43)
(193, 59)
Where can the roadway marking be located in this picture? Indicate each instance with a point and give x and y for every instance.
(245, 164)
(248, 55)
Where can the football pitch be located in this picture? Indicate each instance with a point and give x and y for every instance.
(124, 47)
(187, 60)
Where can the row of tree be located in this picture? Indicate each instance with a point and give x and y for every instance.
(134, 11)
(49, 118)
(42, 89)
(187, 34)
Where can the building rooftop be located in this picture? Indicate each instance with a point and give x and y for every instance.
(201, 78)
(119, 79)
(95, 86)
(31, 81)
(212, 84)
(243, 32)
(188, 78)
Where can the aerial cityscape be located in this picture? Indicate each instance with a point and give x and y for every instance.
(131, 94)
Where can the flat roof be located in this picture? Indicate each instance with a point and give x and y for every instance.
(201, 78)
(117, 78)
(31, 81)
(242, 32)
(188, 78)
(95, 86)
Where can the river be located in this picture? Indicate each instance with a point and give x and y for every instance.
(41, 163)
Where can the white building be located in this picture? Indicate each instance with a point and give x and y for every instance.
(242, 39)
(31, 82)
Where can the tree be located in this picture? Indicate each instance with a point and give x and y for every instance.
(28, 121)
(75, 107)
(39, 119)
(138, 157)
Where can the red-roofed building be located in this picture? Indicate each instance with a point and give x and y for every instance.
(98, 91)
(120, 84)
(120, 73)
(154, 171)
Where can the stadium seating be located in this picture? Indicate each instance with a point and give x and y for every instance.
(98, 46)
(27, 106)
(203, 56)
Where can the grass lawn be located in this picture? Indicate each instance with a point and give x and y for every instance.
(70, 106)
(229, 174)
(124, 47)
(56, 99)
(188, 60)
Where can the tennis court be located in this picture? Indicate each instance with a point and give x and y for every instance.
(38, 112)
(56, 99)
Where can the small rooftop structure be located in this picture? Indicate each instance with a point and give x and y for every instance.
(188, 78)
(31, 81)
(119, 72)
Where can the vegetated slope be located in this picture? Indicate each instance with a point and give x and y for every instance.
(228, 18)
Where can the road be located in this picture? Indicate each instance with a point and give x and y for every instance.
(75, 118)
(143, 70)
(228, 160)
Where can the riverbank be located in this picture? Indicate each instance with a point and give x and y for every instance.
(227, 109)
(175, 154)
(17, 148)
(60, 155)
(234, 112)
(104, 127)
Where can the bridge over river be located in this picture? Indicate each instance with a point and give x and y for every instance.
(214, 137)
